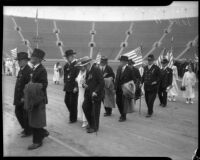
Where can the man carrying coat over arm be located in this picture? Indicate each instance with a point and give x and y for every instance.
(36, 99)
(151, 79)
(123, 76)
(94, 91)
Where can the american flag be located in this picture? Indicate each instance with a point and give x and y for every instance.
(14, 52)
(135, 55)
(170, 58)
(98, 58)
(160, 58)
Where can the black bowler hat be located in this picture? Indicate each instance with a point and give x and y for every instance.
(38, 53)
(151, 57)
(164, 61)
(21, 56)
(123, 58)
(69, 52)
(104, 59)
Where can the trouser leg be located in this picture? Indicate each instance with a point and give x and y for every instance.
(151, 97)
(119, 102)
(27, 127)
(87, 108)
(160, 95)
(67, 100)
(73, 106)
(37, 135)
(95, 114)
(164, 96)
(19, 112)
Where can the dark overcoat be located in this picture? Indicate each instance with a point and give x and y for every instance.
(23, 78)
(166, 77)
(37, 116)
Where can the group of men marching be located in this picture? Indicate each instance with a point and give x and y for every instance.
(100, 84)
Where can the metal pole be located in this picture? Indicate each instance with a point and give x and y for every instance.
(37, 34)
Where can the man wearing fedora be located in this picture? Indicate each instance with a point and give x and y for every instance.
(165, 82)
(124, 75)
(37, 116)
(94, 91)
(22, 79)
(151, 79)
(109, 77)
(71, 85)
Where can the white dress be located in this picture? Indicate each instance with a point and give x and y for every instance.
(56, 76)
(174, 90)
(80, 80)
(188, 81)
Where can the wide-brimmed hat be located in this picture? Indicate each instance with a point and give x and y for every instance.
(69, 52)
(164, 61)
(151, 57)
(21, 56)
(123, 58)
(83, 61)
(104, 59)
(38, 53)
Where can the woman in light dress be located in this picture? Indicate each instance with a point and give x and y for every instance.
(173, 92)
(81, 80)
(57, 73)
(189, 81)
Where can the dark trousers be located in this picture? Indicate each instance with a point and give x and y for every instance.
(92, 112)
(162, 94)
(120, 103)
(22, 117)
(38, 134)
(71, 101)
(150, 97)
(108, 110)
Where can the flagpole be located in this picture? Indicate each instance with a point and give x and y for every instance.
(36, 20)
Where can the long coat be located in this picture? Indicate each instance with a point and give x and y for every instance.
(109, 93)
(95, 82)
(22, 79)
(37, 116)
(166, 77)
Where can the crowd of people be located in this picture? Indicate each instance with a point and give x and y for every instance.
(87, 85)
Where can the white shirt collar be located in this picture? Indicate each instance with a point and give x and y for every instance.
(149, 66)
(36, 66)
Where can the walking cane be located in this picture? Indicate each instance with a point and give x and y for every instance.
(93, 106)
(140, 100)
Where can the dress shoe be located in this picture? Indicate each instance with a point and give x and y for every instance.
(46, 134)
(23, 132)
(72, 121)
(164, 105)
(122, 119)
(148, 115)
(91, 130)
(26, 134)
(34, 146)
(161, 104)
(84, 124)
(87, 127)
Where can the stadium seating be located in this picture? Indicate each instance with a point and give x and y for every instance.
(108, 37)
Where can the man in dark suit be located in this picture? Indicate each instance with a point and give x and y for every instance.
(70, 85)
(124, 75)
(94, 91)
(165, 82)
(37, 117)
(136, 72)
(22, 79)
(150, 78)
(107, 72)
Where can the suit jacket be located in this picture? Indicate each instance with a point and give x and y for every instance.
(108, 72)
(95, 82)
(22, 79)
(166, 77)
(124, 77)
(70, 74)
(39, 75)
(149, 76)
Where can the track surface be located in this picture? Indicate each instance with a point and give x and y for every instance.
(171, 132)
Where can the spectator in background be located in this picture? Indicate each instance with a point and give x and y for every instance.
(57, 73)
(173, 92)
(189, 80)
